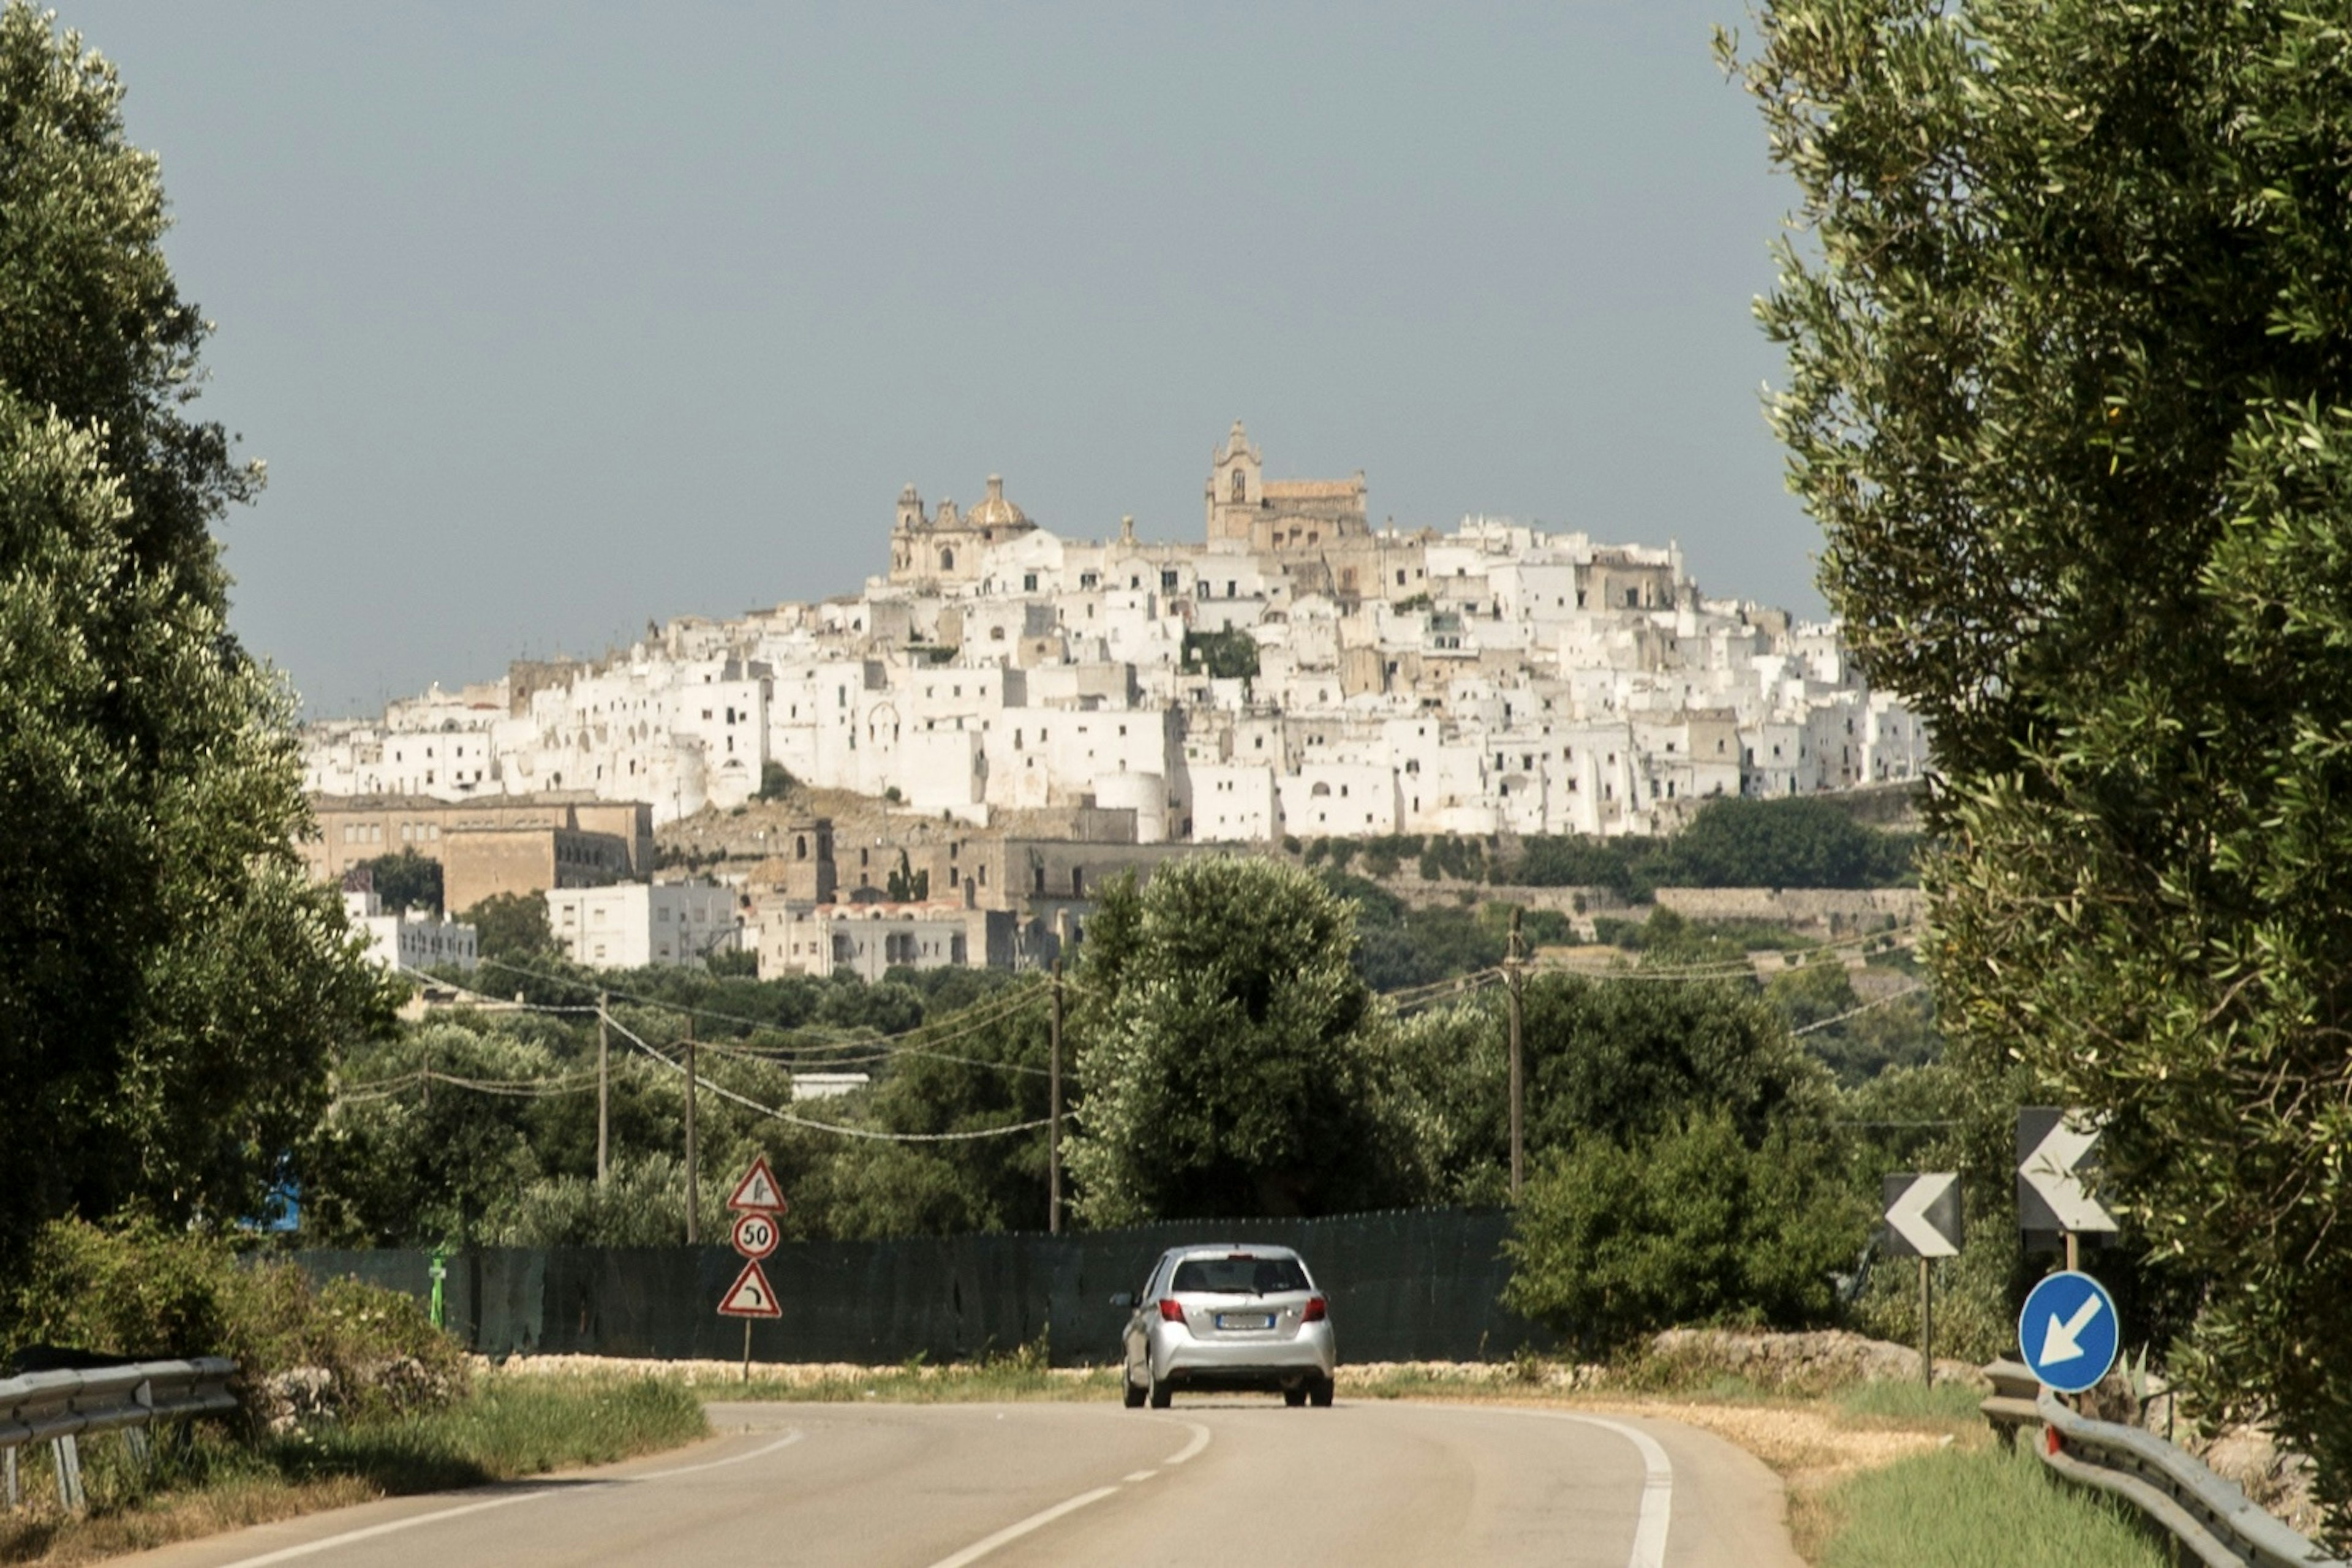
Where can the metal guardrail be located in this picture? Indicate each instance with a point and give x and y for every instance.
(2215, 1521)
(60, 1407)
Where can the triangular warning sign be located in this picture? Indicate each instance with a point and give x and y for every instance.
(750, 1296)
(757, 1193)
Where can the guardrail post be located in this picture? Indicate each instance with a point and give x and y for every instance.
(16, 1490)
(67, 1453)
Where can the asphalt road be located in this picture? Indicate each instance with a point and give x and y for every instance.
(1018, 1486)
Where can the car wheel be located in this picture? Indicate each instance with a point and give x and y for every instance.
(1130, 1394)
(1321, 1394)
(1161, 1395)
(1295, 1397)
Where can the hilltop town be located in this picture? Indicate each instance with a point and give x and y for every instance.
(1005, 718)
(1296, 672)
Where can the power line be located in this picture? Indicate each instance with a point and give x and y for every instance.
(1911, 990)
(970, 1019)
(866, 1132)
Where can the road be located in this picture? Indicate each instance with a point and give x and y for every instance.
(1020, 1486)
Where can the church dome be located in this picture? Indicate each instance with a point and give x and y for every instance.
(995, 512)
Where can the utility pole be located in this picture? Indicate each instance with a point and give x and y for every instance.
(603, 1089)
(693, 1178)
(1512, 977)
(1054, 1126)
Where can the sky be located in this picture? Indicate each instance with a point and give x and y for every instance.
(552, 320)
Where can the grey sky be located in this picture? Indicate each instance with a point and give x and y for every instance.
(553, 319)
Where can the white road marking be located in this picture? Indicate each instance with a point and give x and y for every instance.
(786, 1441)
(351, 1537)
(393, 1526)
(1657, 1484)
(1199, 1441)
(1010, 1532)
(1038, 1521)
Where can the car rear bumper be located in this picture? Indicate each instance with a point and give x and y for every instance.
(1182, 1361)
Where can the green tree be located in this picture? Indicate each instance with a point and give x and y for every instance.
(406, 880)
(1229, 1063)
(512, 927)
(1628, 1057)
(1689, 1224)
(1798, 843)
(980, 1075)
(1228, 655)
(170, 987)
(2069, 391)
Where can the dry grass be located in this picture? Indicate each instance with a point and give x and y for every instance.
(206, 1480)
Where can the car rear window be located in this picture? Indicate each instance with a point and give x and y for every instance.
(1240, 1275)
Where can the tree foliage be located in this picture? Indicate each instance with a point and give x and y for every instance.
(1227, 655)
(2070, 390)
(170, 987)
(406, 880)
(1230, 1065)
(1691, 1224)
(513, 928)
(1728, 843)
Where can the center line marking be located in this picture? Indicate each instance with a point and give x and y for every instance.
(1139, 1476)
(1010, 1532)
(1199, 1441)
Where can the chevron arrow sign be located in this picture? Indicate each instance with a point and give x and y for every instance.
(2055, 1166)
(1923, 1214)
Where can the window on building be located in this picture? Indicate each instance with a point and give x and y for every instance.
(1241, 486)
(947, 560)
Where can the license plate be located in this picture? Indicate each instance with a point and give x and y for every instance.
(1244, 1320)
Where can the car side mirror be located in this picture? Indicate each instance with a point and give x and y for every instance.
(1124, 1298)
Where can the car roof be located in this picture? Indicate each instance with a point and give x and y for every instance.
(1227, 1249)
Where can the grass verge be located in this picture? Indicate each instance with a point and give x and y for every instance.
(1972, 1507)
(203, 1480)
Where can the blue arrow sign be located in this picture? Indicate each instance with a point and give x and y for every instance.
(2068, 1332)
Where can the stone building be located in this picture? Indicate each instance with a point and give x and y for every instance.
(496, 844)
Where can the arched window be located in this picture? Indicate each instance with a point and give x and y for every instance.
(800, 845)
(1241, 487)
(947, 560)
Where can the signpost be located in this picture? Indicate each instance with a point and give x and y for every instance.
(1923, 1221)
(2056, 1169)
(757, 1200)
(2068, 1332)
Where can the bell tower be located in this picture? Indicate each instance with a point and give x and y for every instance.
(1237, 488)
(808, 860)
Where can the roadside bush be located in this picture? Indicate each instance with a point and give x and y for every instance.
(1618, 1239)
(643, 1204)
(345, 1349)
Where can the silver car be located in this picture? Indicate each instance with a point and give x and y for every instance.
(1228, 1316)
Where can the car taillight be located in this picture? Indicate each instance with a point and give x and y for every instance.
(1316, 1311)
(1170, 1310)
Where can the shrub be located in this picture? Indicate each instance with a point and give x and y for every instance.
(1615, 1240)
(139, 1290)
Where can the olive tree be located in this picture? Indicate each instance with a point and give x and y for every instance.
(2068, 327)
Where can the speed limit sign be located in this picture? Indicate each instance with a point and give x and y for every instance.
(755, 1235)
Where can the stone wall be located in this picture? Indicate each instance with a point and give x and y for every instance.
(1836, 911)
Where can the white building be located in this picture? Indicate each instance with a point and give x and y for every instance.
(637, 925)
(406, 941)
(1501, 677)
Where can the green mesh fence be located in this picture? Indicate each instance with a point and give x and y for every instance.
(1409, 1285)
